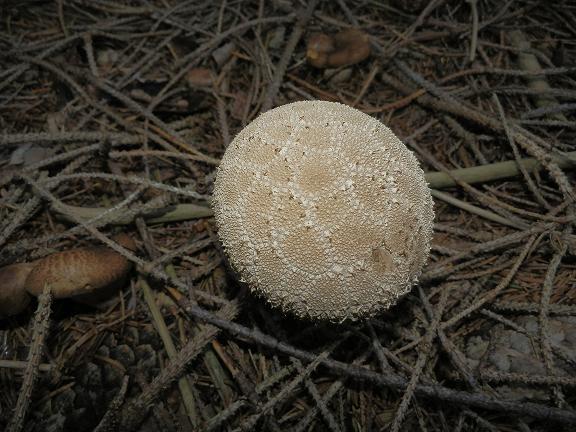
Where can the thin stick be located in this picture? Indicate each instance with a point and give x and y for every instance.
(545, 337)
(133, 414)
(109, 422)
(16, 364)
(528, 61)
(421, 361)
(486, 214)
(274, 86)
(39, 330)
(474, 36)
(444, 102)
(183, 383)
(491, 295)
(521, 166)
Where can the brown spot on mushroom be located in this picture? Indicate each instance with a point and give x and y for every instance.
(382, 260)
(346, 48)
(399, 236)
(327, 233)
(13, 296)
(356, 238)
(81, 271)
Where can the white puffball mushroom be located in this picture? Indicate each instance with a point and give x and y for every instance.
(323, 211)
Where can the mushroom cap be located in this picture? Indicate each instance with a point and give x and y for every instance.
(345, 48)
(200, 77)
(13, 297)
(323, 211)
(81, 271)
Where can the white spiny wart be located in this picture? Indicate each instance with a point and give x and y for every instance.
(323, 211)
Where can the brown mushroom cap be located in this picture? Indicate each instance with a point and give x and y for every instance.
(81, 271)
(323, 211)
(13, 297)
(200, 77)
(346, 48)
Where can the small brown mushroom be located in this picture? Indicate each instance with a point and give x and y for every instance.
(13, 296)
(88, 271)
(342, 49)
(200, 77)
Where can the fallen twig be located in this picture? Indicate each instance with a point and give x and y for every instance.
(39, 330)
(389, 379)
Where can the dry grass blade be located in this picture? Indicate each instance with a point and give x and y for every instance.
(183, 383)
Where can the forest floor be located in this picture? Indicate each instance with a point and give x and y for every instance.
(113, 118)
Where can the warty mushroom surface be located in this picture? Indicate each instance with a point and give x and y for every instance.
(323, 211)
